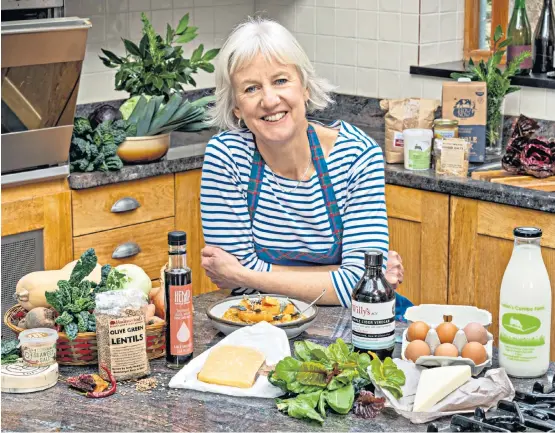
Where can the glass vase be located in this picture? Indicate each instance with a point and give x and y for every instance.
(494, 126)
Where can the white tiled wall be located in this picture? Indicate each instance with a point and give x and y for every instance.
(116, 19)
(365, 47)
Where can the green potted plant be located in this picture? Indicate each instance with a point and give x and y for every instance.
(498, 84)
(153, 72)
(156, 66)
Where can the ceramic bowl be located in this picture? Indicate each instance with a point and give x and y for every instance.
(292, 329)
(136, 150)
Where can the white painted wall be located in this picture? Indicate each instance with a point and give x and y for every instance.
(365, 47)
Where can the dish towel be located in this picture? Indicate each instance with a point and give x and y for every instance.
(269, 339)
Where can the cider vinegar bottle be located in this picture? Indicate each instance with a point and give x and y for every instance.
(179, 303)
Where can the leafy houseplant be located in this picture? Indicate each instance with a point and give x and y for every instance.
(498, 84)
(156, 66)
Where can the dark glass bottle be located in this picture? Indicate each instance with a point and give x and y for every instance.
(373, 310)
(544, 40)
(179, 303)
(521, 36)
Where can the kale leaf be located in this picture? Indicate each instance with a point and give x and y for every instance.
(74, 299)
(10, 351)
(96, 149)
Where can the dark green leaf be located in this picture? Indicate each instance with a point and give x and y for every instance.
(158, 82)
(84, 266)
(210, 54)
(144, 45)
(143, 124)
(64, 319)
(183, 23)
(188, 36)
(131, 47)
(301, 406)
(197, 54)
(287, 369)
(71, 330)
(208, 67)
(138, 111)
(169, 34)
(113, 57)
(312, 373)
(504, 43)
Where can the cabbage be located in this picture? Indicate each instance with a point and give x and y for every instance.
(136, 278)
(128, 106)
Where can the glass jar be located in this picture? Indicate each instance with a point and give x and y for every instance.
(38, 346)
(443, 128)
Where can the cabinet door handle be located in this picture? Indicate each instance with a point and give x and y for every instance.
(125, 204)
(128, 249)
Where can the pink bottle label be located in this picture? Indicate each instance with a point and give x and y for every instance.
(514, 50)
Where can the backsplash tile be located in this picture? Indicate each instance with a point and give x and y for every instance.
(364, 47)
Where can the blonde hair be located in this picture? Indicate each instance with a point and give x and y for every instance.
(275, 42)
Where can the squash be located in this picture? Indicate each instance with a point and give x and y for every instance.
(30, 289)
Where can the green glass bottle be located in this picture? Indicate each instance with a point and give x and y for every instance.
(521, 36)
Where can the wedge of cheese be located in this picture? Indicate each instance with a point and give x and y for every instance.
(232, 366)
(437, 383)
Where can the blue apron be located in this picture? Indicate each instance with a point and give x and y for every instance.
(298, 258)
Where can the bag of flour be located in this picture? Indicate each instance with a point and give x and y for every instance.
(404, 114)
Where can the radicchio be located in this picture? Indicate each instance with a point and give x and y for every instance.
(536, 159)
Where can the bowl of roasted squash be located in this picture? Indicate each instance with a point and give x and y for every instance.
(235, 312)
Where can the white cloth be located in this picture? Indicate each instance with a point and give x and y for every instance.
(269, 339)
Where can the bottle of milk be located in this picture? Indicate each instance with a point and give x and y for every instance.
(525, 308)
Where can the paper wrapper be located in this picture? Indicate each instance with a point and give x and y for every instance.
(268, 339)
(484, 392)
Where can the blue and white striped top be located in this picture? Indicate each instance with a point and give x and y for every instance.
(296, 220)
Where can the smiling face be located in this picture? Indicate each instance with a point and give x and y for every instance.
(270, 98)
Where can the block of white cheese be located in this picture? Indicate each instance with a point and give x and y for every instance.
(232, 366)
(20, 377)
(437, 383)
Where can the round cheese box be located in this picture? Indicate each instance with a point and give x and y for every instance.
(21, 378)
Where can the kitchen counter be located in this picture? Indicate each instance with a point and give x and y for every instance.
(164, 409)
(187, 153)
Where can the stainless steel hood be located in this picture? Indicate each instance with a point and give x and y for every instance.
(41, 68)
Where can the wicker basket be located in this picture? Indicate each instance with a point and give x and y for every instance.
(83, 350)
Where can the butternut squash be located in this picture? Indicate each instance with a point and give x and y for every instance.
(30, 289)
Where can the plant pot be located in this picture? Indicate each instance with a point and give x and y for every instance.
(144, 149)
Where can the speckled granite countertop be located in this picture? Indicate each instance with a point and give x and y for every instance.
(165, 409)
(187, 153)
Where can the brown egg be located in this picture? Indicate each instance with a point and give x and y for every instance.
(476, 332)
(417, 331)
(446, 349)
(416, 349)
(475, 351)
(446, 332)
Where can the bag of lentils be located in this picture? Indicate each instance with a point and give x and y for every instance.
(121, 333)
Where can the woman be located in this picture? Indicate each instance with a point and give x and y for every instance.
(288, 206)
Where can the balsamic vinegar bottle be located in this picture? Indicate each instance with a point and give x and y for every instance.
(373, 310)
(544, 40)
(521, 36)
(179, 303)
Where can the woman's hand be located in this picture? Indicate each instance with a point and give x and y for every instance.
(394, 272)
(221, 267)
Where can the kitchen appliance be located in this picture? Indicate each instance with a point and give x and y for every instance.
(41, 68)
(530, 411)
(16, 10)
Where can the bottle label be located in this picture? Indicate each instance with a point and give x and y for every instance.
(514, 50)
(181, 320)
(373, 325)
(523, 333)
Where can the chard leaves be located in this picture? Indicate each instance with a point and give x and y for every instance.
(321, 377)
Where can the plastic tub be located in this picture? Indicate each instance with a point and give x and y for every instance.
(38, 346)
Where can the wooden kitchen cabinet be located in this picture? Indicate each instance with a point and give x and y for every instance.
(481, 244)
(419, 232)
(188, 219)
(44, 206)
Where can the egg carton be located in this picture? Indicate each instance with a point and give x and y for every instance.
(460, 340)
(462, 315)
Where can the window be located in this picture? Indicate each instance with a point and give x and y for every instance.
(483, 16)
